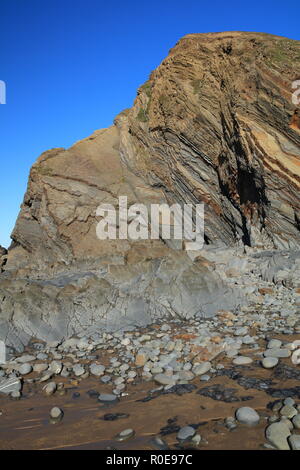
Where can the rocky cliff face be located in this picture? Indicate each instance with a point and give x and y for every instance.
(214, 123)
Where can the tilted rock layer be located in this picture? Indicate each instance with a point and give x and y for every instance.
(215, 123)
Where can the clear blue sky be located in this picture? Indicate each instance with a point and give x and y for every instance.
(71, 65)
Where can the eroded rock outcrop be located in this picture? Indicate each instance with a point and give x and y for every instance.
(214, 123)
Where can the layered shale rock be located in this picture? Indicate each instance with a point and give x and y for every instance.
(214, 123)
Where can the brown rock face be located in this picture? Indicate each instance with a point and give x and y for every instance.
(214, 123)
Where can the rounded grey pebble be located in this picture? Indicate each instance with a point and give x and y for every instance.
(247, 415)
(187, 432)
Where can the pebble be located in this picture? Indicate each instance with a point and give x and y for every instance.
(185, 433)
(40, 368)
(294, 441)
(289, 411)
(164, 379)
(97, 369)
(201, 369)
(16, 395)
(205, 377)
(274, 344)
(296, 421)
(26, 358)
(107, 398)
(158, 443)
(105, 379)
(241, 360)
(277, 434)
(50, 388)
(275, 352)
(269, 362)
(125, 435)
(140, 359)
(78, 370)
(289, 401)
(25, 369)
(241, 331)
(56, 413)
(247, 415)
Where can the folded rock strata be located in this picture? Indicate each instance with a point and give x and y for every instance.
(215, 123)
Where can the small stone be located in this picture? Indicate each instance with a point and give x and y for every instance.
(185, 433)
(42, 356)
(107, 398)
(25, 369)
(247, 415)
(46, 376)
(196, 439)
(289, 401)
(205, 377)
(296, 421)
(277, 434)
(241, 360)
(274, 343)
(40, 368)
(164, 379)
(276, 352)
(15, 395)
(105, 379)
(288, 411)
(132, 374)
(78, 370)
(55, 367)
(56, 414)
(241, 331)
(10, 385)
(97, 369)
(287, 422)
(140, 359)
(294, 441)
(201, 369)
(269, 362)
(158, 443)
(26, 358)
(125, 435)
(50, 388)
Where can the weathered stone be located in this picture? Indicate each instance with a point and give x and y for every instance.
(277, 434)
